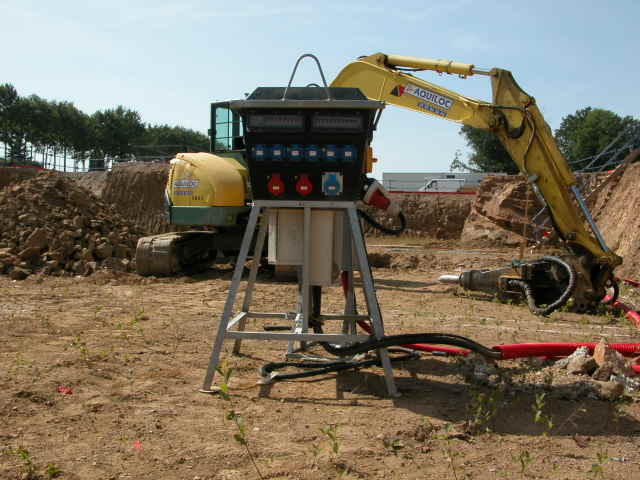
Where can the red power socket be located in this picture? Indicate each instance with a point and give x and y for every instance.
(276, 185)
(304, 186)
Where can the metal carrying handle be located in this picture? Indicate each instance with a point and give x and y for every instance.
(293, 74)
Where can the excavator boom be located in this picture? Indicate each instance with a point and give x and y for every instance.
(517, 122)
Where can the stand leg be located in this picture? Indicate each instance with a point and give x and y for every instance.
(306, 273)
(348, 326)
(350, 308)
(371, 299)
(248, 293)
(231, 298)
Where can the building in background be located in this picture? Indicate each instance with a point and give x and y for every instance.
(415, 181)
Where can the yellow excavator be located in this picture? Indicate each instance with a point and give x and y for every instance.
(209, 182)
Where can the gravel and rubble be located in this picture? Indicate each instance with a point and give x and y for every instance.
(605, 375)
(52, 226)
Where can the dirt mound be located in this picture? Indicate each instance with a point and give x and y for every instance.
(500, 211)
(503, 207)
(11, 175)
(92, 181)
(135, 190)
(441, 216)
(617, 216)
(53, 226)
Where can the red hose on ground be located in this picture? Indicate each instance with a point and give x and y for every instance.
(521, 350)
(633, 283)
(524, 350)
(631, 314)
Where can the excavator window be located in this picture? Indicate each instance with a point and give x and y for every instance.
(227, 129)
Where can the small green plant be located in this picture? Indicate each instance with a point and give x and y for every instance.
(81, 346)
(396, 445)
(28, 465)
(481, 411)
(316, 451)
(525, 460)
(30, 468)
(331, 431)
(241, 437)
(449, 451)
(597, 468)
(539, 416)
(52, 471)
(134, 324)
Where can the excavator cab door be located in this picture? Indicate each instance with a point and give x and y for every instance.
(226, 135)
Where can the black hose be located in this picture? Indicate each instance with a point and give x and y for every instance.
(319, 368)
(389, 231)
(527, 290)
(408, 339)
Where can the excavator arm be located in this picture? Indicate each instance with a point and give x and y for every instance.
(517, 122)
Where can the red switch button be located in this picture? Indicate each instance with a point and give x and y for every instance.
(276, 185)
(304, 186)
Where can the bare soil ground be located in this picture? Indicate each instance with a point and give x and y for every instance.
(99, 377)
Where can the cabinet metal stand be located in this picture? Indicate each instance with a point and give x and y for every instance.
(300, 329)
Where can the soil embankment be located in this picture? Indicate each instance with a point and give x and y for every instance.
(441, 216)
(616, 211)
(136, 190)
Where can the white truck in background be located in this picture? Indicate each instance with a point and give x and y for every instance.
(439, 185)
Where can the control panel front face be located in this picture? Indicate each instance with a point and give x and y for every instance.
(307, 154)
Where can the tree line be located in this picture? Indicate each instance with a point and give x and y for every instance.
(117, 132)
(120, 133)
(581, 137)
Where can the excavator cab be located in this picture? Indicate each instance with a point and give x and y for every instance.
(226, 135)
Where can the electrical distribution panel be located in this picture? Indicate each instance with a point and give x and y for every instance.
(301, 145)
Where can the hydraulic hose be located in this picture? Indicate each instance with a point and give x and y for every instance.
(318, 368)
(416, 341)
(527, 290)
(611, 299)
(389, 231)
(410, 339)
(633, 283)
(632, 315)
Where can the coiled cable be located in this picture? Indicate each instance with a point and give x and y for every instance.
(527, 290)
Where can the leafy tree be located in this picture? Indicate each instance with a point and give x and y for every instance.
(8, 99)
(40, 120)
(12, 125)
(588, 131)
(116, 130)
(45, 124)
(487, 153)
(72, 128)
(169, 140)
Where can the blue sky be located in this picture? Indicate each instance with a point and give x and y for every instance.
(169, 59)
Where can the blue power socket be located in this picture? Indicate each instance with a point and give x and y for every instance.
(332, 184)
